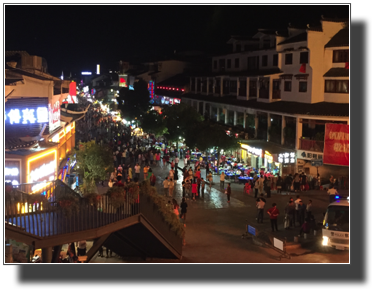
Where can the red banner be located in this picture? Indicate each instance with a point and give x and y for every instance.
(336, 149)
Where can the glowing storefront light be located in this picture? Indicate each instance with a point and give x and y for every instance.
(252, 150)
(286, 158)
(43, 171)
(13, 171)
(28, 115)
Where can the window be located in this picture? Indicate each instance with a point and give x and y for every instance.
(287, 86)
(229, 64)
(242, 88)
(252, 88)
(251, 62)
(337, 86)
(302, 86)
(264, 60)
(304, 57)
(222, 64)
(341, 56)
(233, 86)
(215, 64)
(236, 63)
(288, 59)
(275, 60)
(226, 86)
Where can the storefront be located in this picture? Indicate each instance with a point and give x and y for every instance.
(287, 161)
(251, 155)
(32, 166)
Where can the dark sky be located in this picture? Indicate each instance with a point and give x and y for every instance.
(75, 38)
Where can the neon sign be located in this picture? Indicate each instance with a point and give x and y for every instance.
(11, 171)
(43, 171)
(286, 158)
(26, 116)
(151, 88)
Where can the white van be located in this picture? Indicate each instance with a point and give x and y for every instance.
(335, 230)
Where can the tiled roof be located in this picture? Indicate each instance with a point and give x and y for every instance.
(22, 72)
(16, 143)
(10, 81)
(341, 39)
(337, 72)
(319, 109)
(70, 117)
(297, 38)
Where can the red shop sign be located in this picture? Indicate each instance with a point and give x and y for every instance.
(336, 149)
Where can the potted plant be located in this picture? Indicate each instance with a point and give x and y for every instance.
(69, 204)
(116, 195)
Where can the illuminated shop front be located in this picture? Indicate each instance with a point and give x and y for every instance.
(166, 100)
(288, 161)
(251, 155)
(31, 166)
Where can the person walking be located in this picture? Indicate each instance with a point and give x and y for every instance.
(308, 209)
(332, 193)
(261, 182)
(296, 182)
(268, 187)
(130, 173)
(261, 202)
(210, 178)
(228, 192)
(203, 184)
(145, 171)
(199, 181)
(171, 185)
(302, 211)
(183, 207)
(194, 189)
(222, 180)
(256, 185)
(175, 208)
(137, 171)
(289, 212)
(82, 247)
(165, 186)
(273, 213)
(152, 179)
(279, 184)
(296, 214)
(176, 160)
(188, 187)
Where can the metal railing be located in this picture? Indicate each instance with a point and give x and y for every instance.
(49, 218)
(312, 145)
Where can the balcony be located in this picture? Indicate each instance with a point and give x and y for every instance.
(242, 92)
(253, 92)
(263, 93)
(311, 145)
(276, 94)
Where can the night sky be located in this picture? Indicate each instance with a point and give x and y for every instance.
(76, 38)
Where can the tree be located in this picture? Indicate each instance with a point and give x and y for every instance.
(153, 122)
(93, 162)
(180, 120)
(134, 103)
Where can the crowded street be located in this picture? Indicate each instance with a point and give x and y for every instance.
(213, 225)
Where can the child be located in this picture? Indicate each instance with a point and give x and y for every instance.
(194, 189)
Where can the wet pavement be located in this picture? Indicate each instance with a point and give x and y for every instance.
(214, 227)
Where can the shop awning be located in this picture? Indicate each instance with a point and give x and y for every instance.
(272, 148)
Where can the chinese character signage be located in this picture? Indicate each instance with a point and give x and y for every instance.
(286, 158)
(12, 172)
(43, 167)
(54, 119)
(122, 80)
(26, 115)
(151, 86)
(336, 149)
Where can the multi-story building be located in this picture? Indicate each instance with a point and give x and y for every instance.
(37, 135)
(280, 88)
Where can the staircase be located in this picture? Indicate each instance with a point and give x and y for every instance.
(135, 229)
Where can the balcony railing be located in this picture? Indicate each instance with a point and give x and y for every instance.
(242, 92)
(253, 92)
(276, 94)
(263, 93)
(312, 145)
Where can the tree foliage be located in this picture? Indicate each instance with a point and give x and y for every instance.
(93, 162)
(134, 103)
(153, 122)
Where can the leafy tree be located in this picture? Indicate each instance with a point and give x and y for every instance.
(93, 162)
(134, 103)
(153, 122)
(180, 120)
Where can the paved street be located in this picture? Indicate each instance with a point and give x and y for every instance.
(214, 228)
